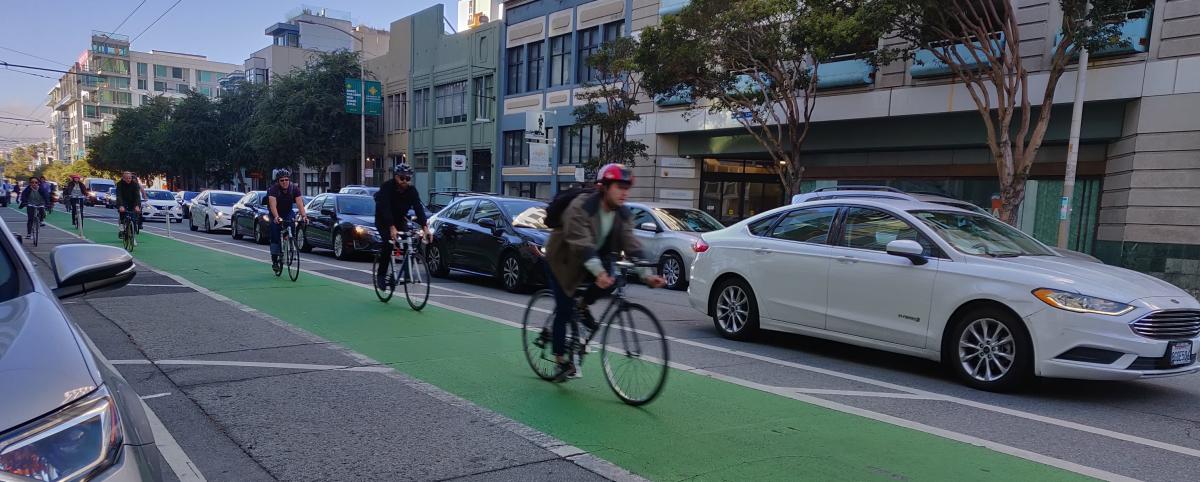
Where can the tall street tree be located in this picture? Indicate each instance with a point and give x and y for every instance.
(192, 142)
(135, 141)
(610, 104)
(236, 117)
(758, 61)
(980, 41)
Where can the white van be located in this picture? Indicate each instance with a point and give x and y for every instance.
(97, 185)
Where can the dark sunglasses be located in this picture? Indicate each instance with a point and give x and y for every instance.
(404, 178)
(284, 179)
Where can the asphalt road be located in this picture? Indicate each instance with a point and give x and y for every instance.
(1146, 430)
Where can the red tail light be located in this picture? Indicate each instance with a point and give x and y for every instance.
(699, 246)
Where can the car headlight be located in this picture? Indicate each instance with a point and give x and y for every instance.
(219, 214)
(535, 249)
(364, 231)
(1078, 303)
(266, 218)
(83, 438)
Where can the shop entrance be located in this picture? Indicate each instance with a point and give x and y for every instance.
(732, 190)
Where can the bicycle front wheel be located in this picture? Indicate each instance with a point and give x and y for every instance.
(384, 293)
(293, 259)
(634, 355)
(416, 279)
(129, 234)
(36, 228)
(536, 330)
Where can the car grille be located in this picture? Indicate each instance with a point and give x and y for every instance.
(1168, 324)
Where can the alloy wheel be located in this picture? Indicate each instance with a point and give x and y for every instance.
(733, 309)
(671, 270)
(339, 248)
(511, 273)
(987, 350)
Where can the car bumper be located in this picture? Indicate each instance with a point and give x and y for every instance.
(1098, 347)
(162, 215)
(137, 463)
(220, 222)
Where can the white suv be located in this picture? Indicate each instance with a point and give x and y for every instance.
(943, 283)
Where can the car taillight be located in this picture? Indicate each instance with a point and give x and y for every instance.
(699, 246)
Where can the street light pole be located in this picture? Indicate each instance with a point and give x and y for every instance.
(1064, 214)
(362, 92)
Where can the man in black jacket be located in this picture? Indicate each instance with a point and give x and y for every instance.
(393, 201)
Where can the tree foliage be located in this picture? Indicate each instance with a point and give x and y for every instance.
(610, 104)
(1015, 112)
(757, 60)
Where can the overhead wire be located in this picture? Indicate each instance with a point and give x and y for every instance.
(172, 7)
(135, 9)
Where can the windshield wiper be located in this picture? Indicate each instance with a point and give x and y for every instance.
(1000, 254)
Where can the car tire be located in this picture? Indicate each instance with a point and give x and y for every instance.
(233, 229)
(436, 257)
(208, 225)
(340, 250)
(734, 309)
(305, 246)
(260, 236)
(671, 268)
(511, 273)
(997, 338)
(192, 224)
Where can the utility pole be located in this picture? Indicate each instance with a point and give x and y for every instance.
(1064, 213)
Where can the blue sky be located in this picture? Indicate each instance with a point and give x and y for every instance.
(222, 30)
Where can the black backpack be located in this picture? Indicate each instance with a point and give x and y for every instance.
(559, 204)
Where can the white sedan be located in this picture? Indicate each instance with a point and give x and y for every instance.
(212, 210)
(993, 304)
(160, 205)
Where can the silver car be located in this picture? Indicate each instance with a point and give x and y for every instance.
(667, 233)
(65, 416)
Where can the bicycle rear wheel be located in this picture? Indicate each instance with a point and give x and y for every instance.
(293, 258)
(384, 293)
(536, 329)
(416, 285)
(129, 234)
(634, 355)
(34, 231)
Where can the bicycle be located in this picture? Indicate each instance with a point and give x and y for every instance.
(33, 223)
(129, 229)
(290, 250)
(407, 266)
(632, 349)
(76, 204)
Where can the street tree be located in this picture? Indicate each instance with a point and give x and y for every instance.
(235, 115)
(980, 41)
(610, 105)
(192, 142)
(135, 142)
(758, 61)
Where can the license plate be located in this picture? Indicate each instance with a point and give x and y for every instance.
(1180, 353)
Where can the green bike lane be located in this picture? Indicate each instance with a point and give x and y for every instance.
(699, 427)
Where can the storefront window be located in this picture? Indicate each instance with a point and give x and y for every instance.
(732, 190)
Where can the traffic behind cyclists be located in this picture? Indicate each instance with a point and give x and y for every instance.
(281, 196)
(593, 228)
(395, 198)
(129, 202)
(76, 191)
(34, 199)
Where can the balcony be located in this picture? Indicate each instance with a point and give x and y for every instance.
(671, 7)
(925, 64)
(1134, 36)
(847, 72)
(682, 98)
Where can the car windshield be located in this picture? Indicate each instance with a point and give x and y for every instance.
(187, 196)
(526, 214)
(159, 196)
(690, 220)
(224, 199)
(980, 235)
(356, 206)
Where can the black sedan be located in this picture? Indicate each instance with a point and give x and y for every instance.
(250, 217)
(184, 198)
(344, 223)
(501, 237)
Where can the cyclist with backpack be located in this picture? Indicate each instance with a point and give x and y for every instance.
(395, 198)
(589, 229)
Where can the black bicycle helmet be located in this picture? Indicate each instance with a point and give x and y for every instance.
(282, 173)
(402, 170)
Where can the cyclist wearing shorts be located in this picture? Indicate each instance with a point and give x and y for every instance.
(129, 202)
(595, 228)
(76, 191)
(34, 199)
(280, 198)
(395, 198)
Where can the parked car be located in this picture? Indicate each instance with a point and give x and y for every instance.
(992, 303)
(438, 200)
(212, 209)
(73, 417)
(251, 217)
(185, 198)
(667, 234)
(110, 198)
(98, 187)
(160, 205)
(501, 237)
(359, 189)
(344, 223)
(885, 193)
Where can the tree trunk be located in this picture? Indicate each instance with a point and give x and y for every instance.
(1011, 197)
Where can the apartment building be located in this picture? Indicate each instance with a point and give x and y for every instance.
(110, 77)
(439, 102)
(907, 125)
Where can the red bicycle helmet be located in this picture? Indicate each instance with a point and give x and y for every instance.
(614, 173)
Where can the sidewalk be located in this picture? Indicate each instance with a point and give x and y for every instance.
(250, 398)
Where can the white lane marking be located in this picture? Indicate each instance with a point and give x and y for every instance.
(870, 381)
(155, 286)
(156, 395)
(857, 393)
(229, 363)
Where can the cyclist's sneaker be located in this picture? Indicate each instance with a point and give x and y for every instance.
(382, 282)
(566, 371)
(586, 318)
(542, 339)
(120, 234)
(276, 261)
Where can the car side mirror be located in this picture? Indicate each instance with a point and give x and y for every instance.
(326, 212)
(907, 248)
(488, 223)
(648, 226)
(88, 268)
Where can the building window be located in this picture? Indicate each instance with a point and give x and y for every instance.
(441, 161)
(613, 30)
(145, 99)
(160, 86)
(206, 77)
(579, 144)
(206, 90)
(142, 84)
(516, 150)
(450, 103)
(160, 71)
(420, 162)
(396, 112)
(590, 41)
(109, 65)
(536, 76)
(485, 97)
(259, 76)
(516, 63)
(420, 108)
(560, 60)
(141, 69)
(176, 73)
(183, 88)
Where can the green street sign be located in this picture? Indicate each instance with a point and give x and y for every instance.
(353, 96)
(374, 98)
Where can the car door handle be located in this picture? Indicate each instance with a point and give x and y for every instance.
(847, 259)
(761, 251)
